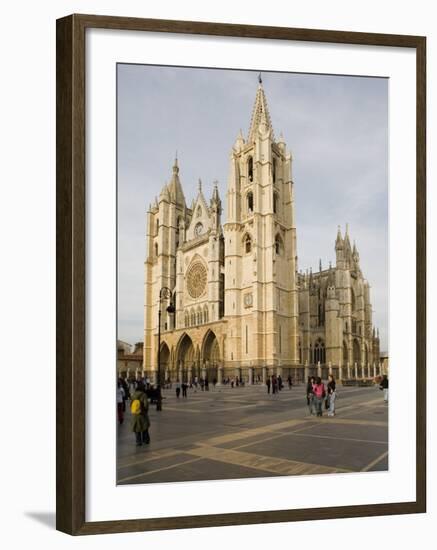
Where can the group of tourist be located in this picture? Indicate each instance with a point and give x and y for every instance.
(317, 395)
(276, 385)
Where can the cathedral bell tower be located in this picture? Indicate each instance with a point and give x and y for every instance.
(260, 248)
(164, 233)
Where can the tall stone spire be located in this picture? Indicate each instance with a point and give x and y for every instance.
(175, 187)
(339, 240)
(164, 195)
(215, 195)
(260, 114)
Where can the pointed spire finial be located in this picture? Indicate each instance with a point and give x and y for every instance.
(260, 80)
(320, 264)
(176, 164)
(260, 115)
(200, 185)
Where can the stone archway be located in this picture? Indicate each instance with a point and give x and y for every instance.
(164, 359)
(185, 359)
(356, 352)
(345, 355)
(210, 355)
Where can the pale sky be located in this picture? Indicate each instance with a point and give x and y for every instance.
(335, 126)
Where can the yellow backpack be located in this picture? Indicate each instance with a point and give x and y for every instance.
(135, 407)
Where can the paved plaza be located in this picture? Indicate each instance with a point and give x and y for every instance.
(230, 433)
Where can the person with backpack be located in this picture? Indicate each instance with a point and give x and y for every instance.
(139, 415)
(319, 395)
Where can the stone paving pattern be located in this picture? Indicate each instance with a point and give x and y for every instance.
(244, 432)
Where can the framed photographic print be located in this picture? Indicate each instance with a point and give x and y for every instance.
(240, 274)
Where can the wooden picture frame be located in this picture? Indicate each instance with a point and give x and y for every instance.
(71, 253)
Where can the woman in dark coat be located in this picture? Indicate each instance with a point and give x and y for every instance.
(140, 422)
(310, 394)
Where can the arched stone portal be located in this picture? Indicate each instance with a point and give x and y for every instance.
(345, 357)
(210, 355)
(164, 361)
(357, 352)
(184, 367)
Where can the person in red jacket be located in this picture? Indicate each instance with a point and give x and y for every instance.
(319, 395)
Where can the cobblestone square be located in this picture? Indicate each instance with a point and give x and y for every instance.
(243, 432)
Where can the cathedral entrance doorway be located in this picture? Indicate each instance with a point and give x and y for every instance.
(357, 357)
(210, 356)
(185, 360)
(164, 360)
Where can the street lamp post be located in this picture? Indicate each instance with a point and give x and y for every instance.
(164, 293)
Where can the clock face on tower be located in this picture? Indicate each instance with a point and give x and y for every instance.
(198, 230)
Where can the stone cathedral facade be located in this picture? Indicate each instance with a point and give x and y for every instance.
(242, 307)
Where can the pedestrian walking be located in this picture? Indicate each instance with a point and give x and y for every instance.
(214, 382)
(332, 395)
(310, 394)
(131, 387)
(184, 389)
(206, 384)
(280, 386)
(139, 415)
(178, 389)
(125, 392)
(290, 382)
(319, 395)
(274, 384)
(120, 402)
(268, 384)
(384, 387)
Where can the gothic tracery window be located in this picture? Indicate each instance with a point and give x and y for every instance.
(247, 244)
(319, 352)
(278, 245)
(250, 202)
(250, 168)
(275, 203)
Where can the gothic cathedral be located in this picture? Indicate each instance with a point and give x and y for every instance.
(241, 307)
